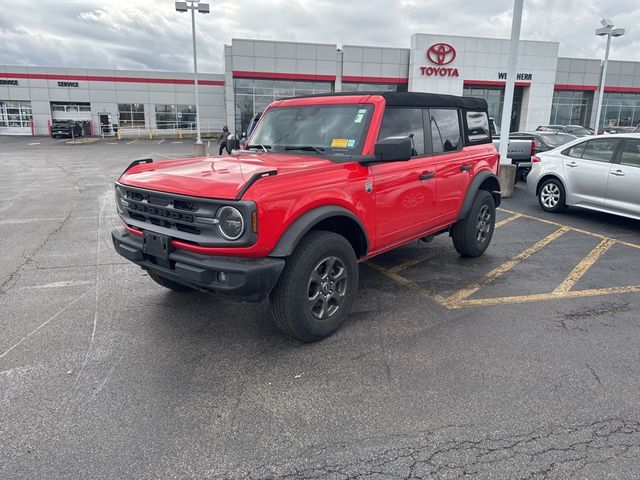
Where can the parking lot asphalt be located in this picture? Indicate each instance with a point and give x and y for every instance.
(522, 364)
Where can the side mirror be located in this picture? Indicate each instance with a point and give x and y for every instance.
(393, 149)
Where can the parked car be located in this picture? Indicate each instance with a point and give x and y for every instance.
(519, 150)
(599, 173)
(544, 141)
(540, 142)
(66, 128)
(612, 130)
(577, 130)
(327, 181)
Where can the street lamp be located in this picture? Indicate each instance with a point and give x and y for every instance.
(608, 31)
(183, 7)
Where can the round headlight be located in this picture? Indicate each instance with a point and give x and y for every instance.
(231, 224)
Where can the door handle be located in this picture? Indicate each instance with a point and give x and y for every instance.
(618, 173)
(465, 168)
(426, 175)
(572, 164)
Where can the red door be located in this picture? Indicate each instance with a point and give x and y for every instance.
(405, 195)
(453, 175)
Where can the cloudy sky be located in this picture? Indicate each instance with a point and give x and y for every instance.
(150, 34)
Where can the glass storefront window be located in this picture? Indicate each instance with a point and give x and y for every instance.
(131, 115)
(253, 95)
(495, 98)
(620, 110)
(571, 107)
(176, 116)
(374, 87)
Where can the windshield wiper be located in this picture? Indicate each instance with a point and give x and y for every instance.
(259, 145)
(307, 148)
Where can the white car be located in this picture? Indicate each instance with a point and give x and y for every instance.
(599, 173)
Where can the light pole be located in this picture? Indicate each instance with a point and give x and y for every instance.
(201, 7)
(608, 31)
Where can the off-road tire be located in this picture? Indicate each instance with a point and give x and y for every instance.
(292, 306)
(472, 235)
(552, 196)
(170, 284)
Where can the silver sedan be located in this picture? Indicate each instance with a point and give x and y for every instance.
(598, 173)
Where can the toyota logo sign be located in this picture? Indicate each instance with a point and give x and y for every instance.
(441, 54)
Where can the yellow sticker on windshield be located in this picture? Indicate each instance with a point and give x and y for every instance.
(339, 143)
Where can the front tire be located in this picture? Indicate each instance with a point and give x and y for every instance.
(170, 284)
(317, 288)
(472, 235)
(551, 196)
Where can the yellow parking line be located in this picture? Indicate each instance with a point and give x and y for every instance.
(538, 297)
(405, 282)
(587, 262)
(501, 269)
(507, 220)
(411, 263)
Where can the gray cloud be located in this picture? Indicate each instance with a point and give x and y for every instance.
(135, 34)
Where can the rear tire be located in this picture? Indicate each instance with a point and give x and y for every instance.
(472, 235)
(317, 288)
(170, 284)
(551, 196)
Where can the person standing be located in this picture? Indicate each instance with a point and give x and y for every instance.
(222, 141)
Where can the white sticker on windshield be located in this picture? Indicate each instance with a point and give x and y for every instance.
(351, 143)
(359, 118)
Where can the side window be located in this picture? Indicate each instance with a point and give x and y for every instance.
(600, 150)
(631, 153)
(575, 151)
(445, 130)
(402, 122)
(478, 125)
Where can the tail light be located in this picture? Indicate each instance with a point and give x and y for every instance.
(533, 147)
(536, 160)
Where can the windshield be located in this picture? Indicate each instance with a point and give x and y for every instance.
(338, 129)
(557, 139)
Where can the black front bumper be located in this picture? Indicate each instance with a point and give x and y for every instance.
(247, 279)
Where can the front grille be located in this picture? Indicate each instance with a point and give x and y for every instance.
(178, 215)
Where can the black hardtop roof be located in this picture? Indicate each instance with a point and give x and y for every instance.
(414, 99)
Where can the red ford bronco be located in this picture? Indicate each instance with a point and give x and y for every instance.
(325, 182)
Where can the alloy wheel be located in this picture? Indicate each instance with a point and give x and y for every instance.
(327, 287)
(550, 195)
(483, 224)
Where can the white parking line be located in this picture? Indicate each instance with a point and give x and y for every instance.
(161, 141)
(176, 142)
(132, 141)
(19, 221)
(68, 283)
(35, 143)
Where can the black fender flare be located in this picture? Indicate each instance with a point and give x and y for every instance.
(474, 186)
(298, 229)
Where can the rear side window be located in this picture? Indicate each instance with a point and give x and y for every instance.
(404, 122)
(600, 150)
(575, 151)
(445, 130)
(478, 127)
(631, 153)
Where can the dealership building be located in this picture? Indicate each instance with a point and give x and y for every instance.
(549, 89)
